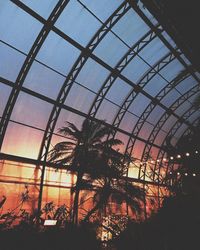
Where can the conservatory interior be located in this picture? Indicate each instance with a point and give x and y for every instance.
(99, 125)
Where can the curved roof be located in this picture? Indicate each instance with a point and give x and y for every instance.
(66, 60)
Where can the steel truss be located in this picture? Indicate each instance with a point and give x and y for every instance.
(125, 60)
(171, 133)
(145, 115)
(165, 116)
(73, 74)
(142, 83)
(28, 62)
(155, 31)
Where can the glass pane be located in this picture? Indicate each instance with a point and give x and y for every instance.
(92, 75)
(43, 8)
(118, 91)
(107, 111)
(13, 186)
(155, 115)
(181, 130)
(78, 23)
(66, 116)
(110, 49)
(169, 123)
(43, 80)
(22, 141)
(4, 95)
(193, 97)
(17, 171)
(194, 117)
(135, 69)
(31, 111)
(128, 122)
(155, 85)
(170, 98)
(138, 149)
(80, 98)
(136, 28)
(139, 104)
(160, 138)
(145, 131)
(12, 28)
(172, 70)
(98, 7)
(154, 153)
(182, 109)
(133, 170)
(11, 63)
(154, 51)
(186, 84)
(57, 53)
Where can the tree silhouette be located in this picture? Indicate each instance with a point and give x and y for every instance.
(81, 153)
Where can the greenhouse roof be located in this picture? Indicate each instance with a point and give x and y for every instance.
(111, 60)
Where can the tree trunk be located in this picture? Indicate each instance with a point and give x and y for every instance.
(94, 209)
(76, 199)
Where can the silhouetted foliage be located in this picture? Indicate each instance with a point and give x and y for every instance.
(90, 151)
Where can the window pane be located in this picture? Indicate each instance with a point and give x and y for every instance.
(160, 138)
(118, 91)
(57, 53)
(154, 51)
(155, 85)
(180, 131)
(136, 28)
(4, 95)
(31, 110)
(43, 8)
(22, 141)
(172, 70)
(182, 108)
(145, 131)
(43, 80)
(12, 28)
(186, 84)
(66, 116)
(128, 122)
(138, 149)
(135, 69)
(98, 7)
(169, 123)
(170, 98)
(78, 23)
(110, 49)
(107, 111)
(92, 75)
(139, 104)
(10, 63)
(155, 115)
(80, 98)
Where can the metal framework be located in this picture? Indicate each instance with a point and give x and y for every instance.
(164, 117)
(147, 174)
(28, 62)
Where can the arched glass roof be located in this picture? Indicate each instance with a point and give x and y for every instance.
(66, 60)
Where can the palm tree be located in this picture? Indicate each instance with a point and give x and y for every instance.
(81, 153)
(117, 191)
(112, 185)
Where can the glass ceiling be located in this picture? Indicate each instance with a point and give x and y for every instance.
(64, 60)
